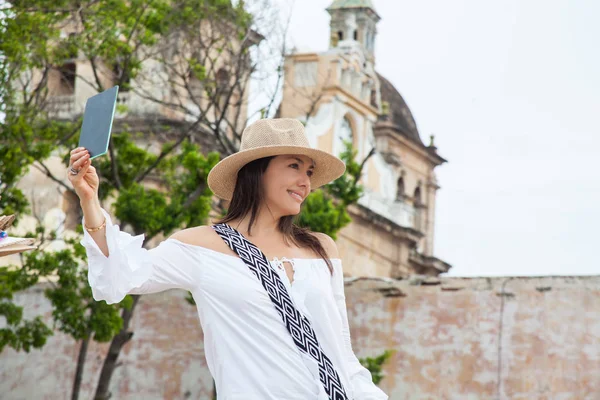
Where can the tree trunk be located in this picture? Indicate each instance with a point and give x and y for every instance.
(117, 343)
(79, 370)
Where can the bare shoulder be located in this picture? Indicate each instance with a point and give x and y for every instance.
(328, 244)
(202, 235)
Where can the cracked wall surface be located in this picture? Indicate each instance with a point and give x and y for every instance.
(482, 338)
(454, 338)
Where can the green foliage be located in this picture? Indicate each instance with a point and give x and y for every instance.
(320, 214)
(135, 198)
(154, 194)
(346, 187)
(182, 171)
(375, 364)
(325, 210)
(184, 177)
(190, 299)
(113, 33)
(18, 333)
(116, 33)
(75, 312)
(24, 138)
(197, 69)
(184, 199)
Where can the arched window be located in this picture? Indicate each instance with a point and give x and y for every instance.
(121, 76)
(222, 77)
(420, 214)
(67, 74)
(374, 98)
(196, 86)
(370, 40)
(345, 134)
(223, 89)
(71, 208)
(400, 189)
(355, 34)
(417, 197)
(340, 35)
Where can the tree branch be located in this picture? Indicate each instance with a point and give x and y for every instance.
(43, 168)
(164, 153)
(114, 167)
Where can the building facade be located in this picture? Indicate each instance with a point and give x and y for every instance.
(340, 96)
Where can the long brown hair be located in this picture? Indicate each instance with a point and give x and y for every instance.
(248, 196)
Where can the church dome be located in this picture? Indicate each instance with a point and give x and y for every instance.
(398, 114)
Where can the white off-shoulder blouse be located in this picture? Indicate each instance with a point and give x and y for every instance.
(249, 352)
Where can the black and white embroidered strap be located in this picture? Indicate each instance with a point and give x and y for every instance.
(297, 324)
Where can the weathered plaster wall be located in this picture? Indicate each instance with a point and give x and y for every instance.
(496, 338)
(476, 338)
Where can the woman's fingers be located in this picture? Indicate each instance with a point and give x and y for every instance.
(75, 157)
(86, 165)
(77, 154)
(81, 161)
(78, 150)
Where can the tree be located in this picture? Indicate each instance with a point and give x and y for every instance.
(173, 57)
(184, 202)
(18, 333)
(74, 310)
(374, 364)
(203, 81)
(18, 122)
(326, 209)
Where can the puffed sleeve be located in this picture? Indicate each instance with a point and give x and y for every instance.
(132, 269)
(360, 377)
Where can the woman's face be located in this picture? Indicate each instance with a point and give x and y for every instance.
(286, 183)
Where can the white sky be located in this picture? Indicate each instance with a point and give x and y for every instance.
(511, 90)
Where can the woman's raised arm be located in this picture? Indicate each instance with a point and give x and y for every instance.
(118, 262)
(130, 268)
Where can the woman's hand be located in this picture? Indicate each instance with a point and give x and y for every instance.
(85, 181)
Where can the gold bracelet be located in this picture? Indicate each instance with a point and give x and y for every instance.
(95, 229)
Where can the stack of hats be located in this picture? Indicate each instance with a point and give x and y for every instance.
(12, 245)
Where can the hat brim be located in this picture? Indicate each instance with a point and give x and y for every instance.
(6, 251)
(223, 176)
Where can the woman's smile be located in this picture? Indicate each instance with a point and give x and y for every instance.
(295, 195)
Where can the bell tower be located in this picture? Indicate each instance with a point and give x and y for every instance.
(354, 21)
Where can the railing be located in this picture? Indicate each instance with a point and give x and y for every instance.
(400, 213)
(123, 98)
(123, 104)
(62, 106)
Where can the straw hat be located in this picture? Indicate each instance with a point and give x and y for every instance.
(24, 245)
(13, 245)
(271, 137)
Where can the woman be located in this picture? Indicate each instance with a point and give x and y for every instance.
(253, 347)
